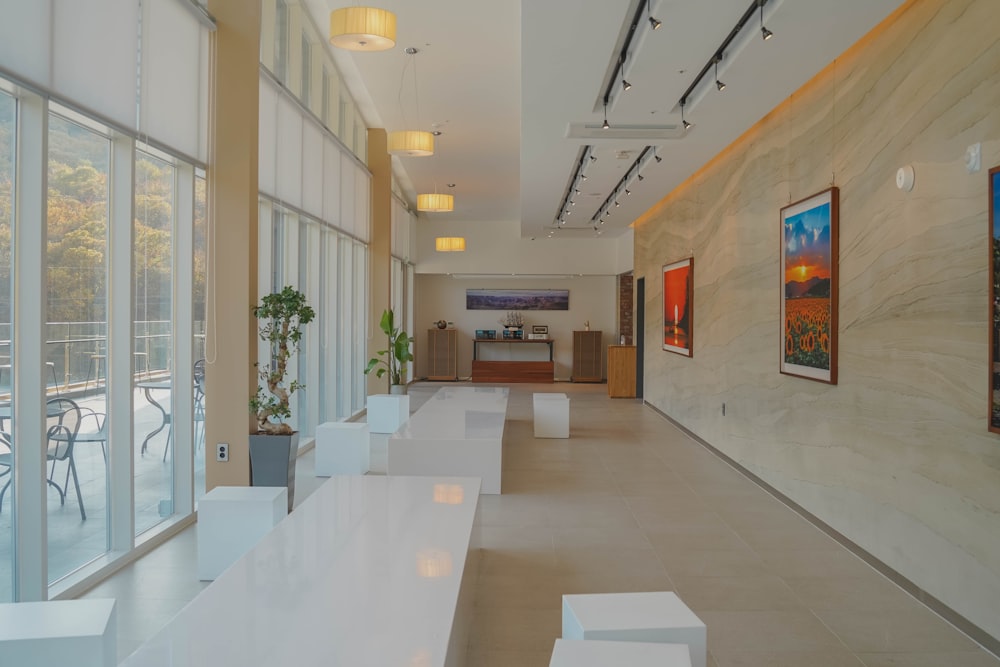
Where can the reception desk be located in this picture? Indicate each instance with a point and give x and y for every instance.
(512, 360)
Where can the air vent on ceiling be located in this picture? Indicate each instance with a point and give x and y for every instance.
(645, 133)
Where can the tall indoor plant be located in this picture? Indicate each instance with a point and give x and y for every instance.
(393, 359)
(280, 316)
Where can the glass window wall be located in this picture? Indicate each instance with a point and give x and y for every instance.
(78, 213)
(8, 116)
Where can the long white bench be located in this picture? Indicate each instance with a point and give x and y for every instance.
(366, 571)
(459, 431)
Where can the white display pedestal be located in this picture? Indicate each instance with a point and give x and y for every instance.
(591, 653)
(387, 412)
(551, 415)
(81, 633)
(231, 520)
(636, 617)
(342, 448)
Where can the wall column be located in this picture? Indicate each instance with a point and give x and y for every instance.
(380, 249)
(231, 340)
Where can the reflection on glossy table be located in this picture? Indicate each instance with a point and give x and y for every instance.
(366, 571)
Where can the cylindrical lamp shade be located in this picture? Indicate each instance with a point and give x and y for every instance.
(363, 28)
(449, 244)
(435, 203)
(414, 143)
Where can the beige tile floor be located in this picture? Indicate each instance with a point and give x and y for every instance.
(629, 503)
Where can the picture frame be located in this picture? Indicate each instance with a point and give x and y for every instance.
(809, 287)
(517, 299)
(540, 329)
(678, 307)
(994, 302)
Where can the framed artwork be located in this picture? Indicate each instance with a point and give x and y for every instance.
(678, 306)
(517, 299)
(994, 320)
(809, 245)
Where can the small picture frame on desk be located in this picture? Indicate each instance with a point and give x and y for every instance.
(540, 329)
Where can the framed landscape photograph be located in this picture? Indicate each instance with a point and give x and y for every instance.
(809, 245)
(994, 272)
(517, 299)
(678, 306)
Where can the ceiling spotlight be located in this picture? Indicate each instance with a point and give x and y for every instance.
(764, 32)
(593, 158)
(626, 85)
(654, 23)
(639, 176)
(616, 203)
(718, 84)
(605, 125)
(687, 125)
(656, 157)
(583, 177)
(627, 191)
(576, 191)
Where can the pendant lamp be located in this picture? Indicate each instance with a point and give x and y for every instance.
(435, 203)
(412, 143)
(449, 244)
(363, 28)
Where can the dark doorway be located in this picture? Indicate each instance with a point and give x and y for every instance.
(640, 332)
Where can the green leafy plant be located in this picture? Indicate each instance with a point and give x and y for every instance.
(281, 316)
(393, 359)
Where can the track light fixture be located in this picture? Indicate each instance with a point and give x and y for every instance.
(593, 158)
(616, 203)
(718, 84)
(656, 157)
(605, 125)
(626, 85)
(764, 32)
(687, 125)
(653, 23)
(627, 191)
(639, 176)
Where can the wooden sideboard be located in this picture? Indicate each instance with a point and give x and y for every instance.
(511, 370)
(621, 371)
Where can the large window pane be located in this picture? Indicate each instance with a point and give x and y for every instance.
(198, 312)
(152, 259)
(77, 228)
(7, 133)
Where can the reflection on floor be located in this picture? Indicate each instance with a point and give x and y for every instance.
(629, 503)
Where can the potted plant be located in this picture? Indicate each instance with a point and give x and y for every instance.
(393, 359)
(273, 448)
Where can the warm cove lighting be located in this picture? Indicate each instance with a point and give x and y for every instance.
(363, 28)
(413, 143)
(449, 244)
(435, 203)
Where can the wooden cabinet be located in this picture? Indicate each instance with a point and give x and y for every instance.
(587, 356)
(621, 371)
(442, 354)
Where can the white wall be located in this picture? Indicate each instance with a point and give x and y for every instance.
(591, 298)
(625, 259)
(498, 248)
(897, 456)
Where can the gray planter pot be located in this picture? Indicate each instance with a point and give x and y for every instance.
(399, 389)
(272, 461)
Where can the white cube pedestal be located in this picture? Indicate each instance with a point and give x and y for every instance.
(342, 448)
(81, 633)
(551, 415)
(387, 412)
(636, 617)
(231, 520)
(591, 653)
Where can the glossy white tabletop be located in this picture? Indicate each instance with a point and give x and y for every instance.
(365, 572)
(459, 413)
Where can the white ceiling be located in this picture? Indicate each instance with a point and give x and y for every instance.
(504, 80)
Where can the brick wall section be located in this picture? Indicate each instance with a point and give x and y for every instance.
(626, 307)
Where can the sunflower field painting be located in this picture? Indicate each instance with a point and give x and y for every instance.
(809, 287)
